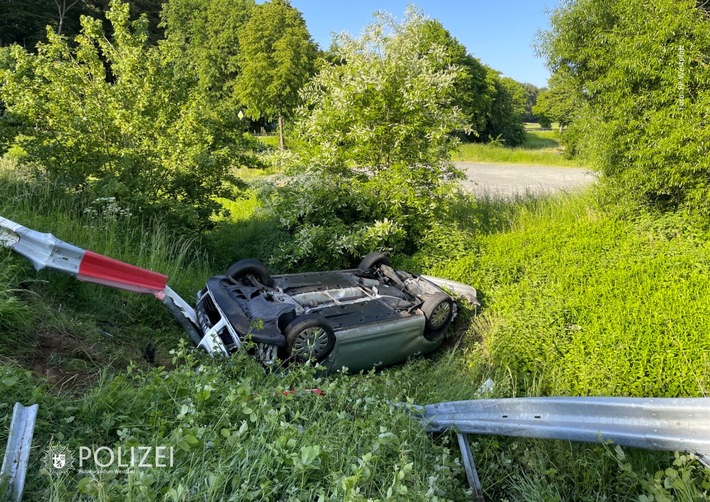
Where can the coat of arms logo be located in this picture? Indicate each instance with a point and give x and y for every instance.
(58, 459)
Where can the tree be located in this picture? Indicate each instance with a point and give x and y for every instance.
(560, 103)
(276, 59)
(474, 95)
(24, 22)
(205, 36)
(503, 123)
(113, 118)
(63, 7)
(640, 68)
(376, 131)
(389, 103)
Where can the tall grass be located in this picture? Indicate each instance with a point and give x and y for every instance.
(579, 302)
(539, 148)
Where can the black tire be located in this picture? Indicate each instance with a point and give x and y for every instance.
(243, 268)
(372, 260)
(439, 312)
(310, 337)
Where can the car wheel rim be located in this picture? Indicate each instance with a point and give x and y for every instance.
(440, 315)
(311, 343)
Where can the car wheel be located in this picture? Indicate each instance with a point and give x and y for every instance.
(439, 311)
(250, 266)
(310, 337)
(372, 260)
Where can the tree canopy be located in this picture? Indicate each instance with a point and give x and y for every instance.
(391, 101)
(560, 103)
(641, 69)
(205, 34)
(376, 131)
(113, 118)
(276, 59)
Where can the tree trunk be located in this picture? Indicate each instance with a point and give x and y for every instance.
(63, 8)
(282, 144)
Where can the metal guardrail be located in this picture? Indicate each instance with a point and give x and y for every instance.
(17, 453)
(651, 423)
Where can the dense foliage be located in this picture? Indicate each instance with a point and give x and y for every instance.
(562, 102)
(375, 133)
(503, 119)
(205, 34)
(114, 119)
(24, 22)
(641, 69)
(276, 60)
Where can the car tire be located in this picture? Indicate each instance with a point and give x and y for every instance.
(310, 337)
(241, 269)
(439, 312)
(372, 260)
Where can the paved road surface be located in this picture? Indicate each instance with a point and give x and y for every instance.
(517, 179)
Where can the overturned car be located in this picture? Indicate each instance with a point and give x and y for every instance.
(363, 318)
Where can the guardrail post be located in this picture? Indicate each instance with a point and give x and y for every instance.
(17, 453)
(470, 467)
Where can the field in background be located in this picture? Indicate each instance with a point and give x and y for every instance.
(575, 302)
(540, 148)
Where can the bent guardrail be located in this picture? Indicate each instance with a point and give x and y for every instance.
(669, 424)
(45, 251)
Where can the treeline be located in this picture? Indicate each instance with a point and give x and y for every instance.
(631, 78)
(152, 110)
(495, 105)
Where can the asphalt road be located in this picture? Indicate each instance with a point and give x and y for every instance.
(507, 180)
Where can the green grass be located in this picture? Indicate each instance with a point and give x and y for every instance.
(575, 302)
(269, 139)
(539, 148)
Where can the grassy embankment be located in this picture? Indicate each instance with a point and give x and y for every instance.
(575, 302)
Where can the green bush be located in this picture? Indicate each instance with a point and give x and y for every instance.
(640, 69)
(375, 144)
(113, 118)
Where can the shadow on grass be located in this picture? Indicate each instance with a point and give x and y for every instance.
(536, 140)
(258, 236)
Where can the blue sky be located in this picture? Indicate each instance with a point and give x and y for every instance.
(500, 34)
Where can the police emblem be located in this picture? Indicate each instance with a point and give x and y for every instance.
(58, 459)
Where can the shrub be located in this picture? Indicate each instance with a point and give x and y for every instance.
(112, 118)
(375, 135)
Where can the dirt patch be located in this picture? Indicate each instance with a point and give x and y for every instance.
(61, 359)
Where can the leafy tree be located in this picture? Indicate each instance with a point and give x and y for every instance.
(473, 94)
(113, 118)
(503, 122)
(24, 22)
(376, 133)
(390, 103)
(560, 103)
(518, 94)
(150, 8)
(641, 70)
(276, 59)
(524, 98)
(205, 36)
